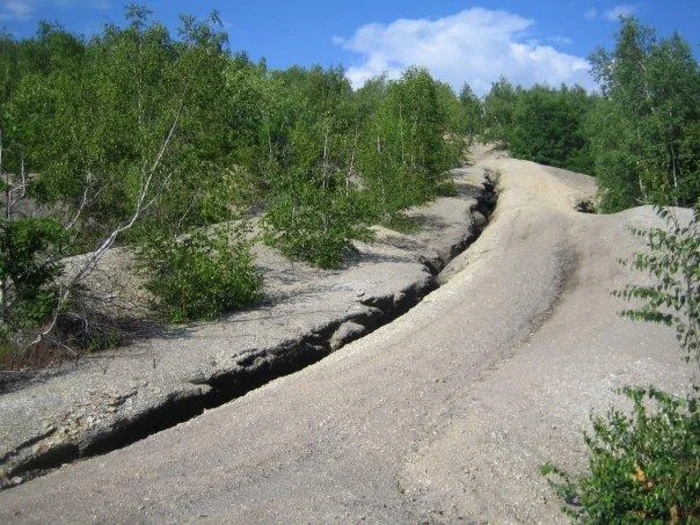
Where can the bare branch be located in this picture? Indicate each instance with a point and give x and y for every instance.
(83, 201)
(94, 258)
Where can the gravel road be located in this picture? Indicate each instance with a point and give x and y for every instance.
(443, 415)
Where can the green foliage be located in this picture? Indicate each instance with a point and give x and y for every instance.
(314, 226)
(643, 467)
(93, 125)
(472, 111)
(548, 127)
(130, 128)
(645, 133)
(499, 108)
(137, 134)
(200, 276)
(646, 466)
(541, 124)
(455, 116)
(674, 262)
(403, 157)
(311, 206)
(335, 161)
(29, 264)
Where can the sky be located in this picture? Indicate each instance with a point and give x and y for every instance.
(528, 42)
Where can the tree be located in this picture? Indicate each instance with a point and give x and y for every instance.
(403, 156)
(499, 107)
(548, 127)
(473, 111)
(645, 133)
(312, 206)
(128, 142)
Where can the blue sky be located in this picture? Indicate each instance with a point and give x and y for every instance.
(526, 41)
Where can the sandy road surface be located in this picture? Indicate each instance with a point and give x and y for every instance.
(444, 414)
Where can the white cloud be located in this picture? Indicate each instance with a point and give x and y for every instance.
(561, 40)
(475, 46)
(16, 10)
(23, 10)
(616, 12)
(591, 14)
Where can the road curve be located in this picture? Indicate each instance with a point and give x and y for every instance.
(444, 414)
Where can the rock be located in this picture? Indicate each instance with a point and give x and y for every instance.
(479, 219)
(346, 333)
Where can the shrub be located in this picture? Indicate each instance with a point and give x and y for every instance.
(314, 226)
(646, 466)
(29, 266)
(674, 260)
(201, 276)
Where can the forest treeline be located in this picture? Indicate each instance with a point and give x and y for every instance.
(140, 138)
(640, 135)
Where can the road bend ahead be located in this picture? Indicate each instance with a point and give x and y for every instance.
(446, 413)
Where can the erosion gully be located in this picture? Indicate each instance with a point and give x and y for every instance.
(224, 388)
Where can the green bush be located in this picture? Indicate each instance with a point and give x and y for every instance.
(646, 466)
(674, 261)
(314, 226)
(201, 276)
(642, 467)
(29, 265)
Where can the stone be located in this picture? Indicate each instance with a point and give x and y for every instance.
(346, 333)
(479, 219)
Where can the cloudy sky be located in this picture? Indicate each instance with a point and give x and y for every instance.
(459, 41)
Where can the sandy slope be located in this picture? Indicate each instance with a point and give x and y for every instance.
(444, 414)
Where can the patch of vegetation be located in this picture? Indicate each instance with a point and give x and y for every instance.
(643, 131)
(541, 124)
(645, 466)
(201, 276)
(639, 136)
(402, 223)
(141, 139)
(29, 266)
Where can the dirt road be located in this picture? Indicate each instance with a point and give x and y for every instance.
(445, 414)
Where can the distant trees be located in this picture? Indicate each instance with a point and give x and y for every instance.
(640, 136)
(549, 127)
(142, 139)
(645, 132)
(542, 124)
(472, 112)
(499, 107)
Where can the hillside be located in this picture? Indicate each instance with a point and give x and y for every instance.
(444, 414)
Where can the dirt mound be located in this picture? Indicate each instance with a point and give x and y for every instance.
(443, 415)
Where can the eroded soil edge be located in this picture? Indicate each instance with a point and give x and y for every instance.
(56, 445)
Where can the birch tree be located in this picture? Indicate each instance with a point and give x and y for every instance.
(645, 133)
